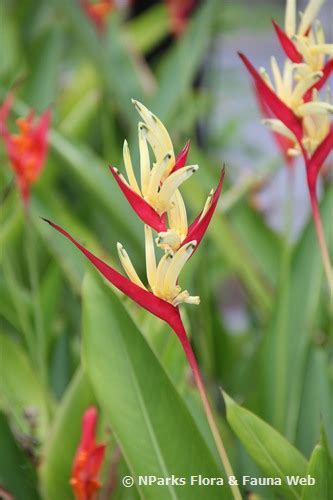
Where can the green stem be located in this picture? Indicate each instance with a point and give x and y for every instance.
(40, 344)
(181, 333)
(322, 242)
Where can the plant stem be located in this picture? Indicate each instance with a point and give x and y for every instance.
(34, 284)
(322, 242)
(181, 333)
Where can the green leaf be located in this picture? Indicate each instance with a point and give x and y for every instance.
(149, 29)
(41, 88)
(60, 448)
(16, 396)
(177, 69)
(317, 400)
(275, 456)
(109, 52)
(17, 474)
(149, 419)
(320, 468)
(289, 335)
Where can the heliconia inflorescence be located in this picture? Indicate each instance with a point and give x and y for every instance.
(88, 459)
(159, 204)
(291, 102)
(26, 149)
(157, 200)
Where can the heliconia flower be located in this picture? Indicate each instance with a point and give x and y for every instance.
(292, 104)
(162, 278)
(316, 127)
(306, 46)
(157, 200)
(97, 11)
(162, 294)
(144, 298)
(88, 459)
(315, 161)
(283, 142)
(165, 294)
(179, 13)
(178, 233)
(27, 149)
(277, 106)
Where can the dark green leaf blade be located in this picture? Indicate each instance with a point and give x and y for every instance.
(149, 419)
(275, 456)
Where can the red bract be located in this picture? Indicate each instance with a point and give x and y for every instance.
(327, 70)
(181, 157)
(315, 162)
(199, 226)
(159, 307)
(155, 305)
(282, 142)
(142, 208)
(158, 222)
(88, 459)
(97, 12)
(279, 109)
(287, 45)
(145, 211)
(26, 150)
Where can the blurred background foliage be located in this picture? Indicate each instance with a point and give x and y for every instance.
(263, 330)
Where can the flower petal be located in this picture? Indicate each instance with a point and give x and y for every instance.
(198, 228)
(40, 136)
(95, 460)
(182, 157)
(4, 112)
(160, 308)
(278, 107)
(145, 211)
(287, 45)
(89, 420)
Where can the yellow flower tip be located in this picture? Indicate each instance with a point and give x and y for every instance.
(168, 240)
(121, 250)
(193, 300)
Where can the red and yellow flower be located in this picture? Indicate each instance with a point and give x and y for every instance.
(27, 149)
(88, 459)
(158, 202)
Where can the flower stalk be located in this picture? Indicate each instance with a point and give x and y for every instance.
(322, 243)
(181, 333)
